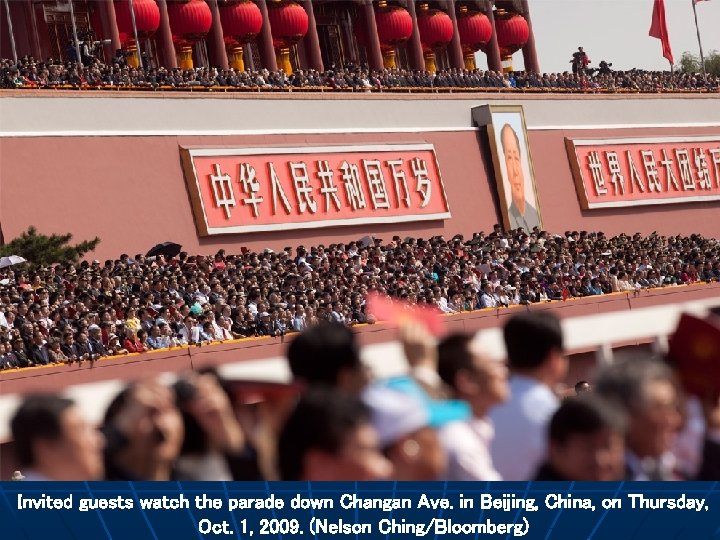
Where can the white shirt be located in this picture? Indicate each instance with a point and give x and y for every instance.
(520, 443)
(467, 444)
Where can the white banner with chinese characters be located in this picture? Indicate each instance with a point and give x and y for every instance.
(240, 190)
(640, 171)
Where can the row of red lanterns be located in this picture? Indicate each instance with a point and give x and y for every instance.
(242, 21)
(191, 19)
(394, 26)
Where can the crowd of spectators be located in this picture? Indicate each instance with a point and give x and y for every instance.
(454, 414)
(81, 312)
(31, 73)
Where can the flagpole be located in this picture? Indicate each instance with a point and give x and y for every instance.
(697, 28)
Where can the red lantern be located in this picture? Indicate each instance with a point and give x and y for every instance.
(394, 26)
(147, 18)
(436, 29)
(189, 21)
(241, 22)
(512, 34)
(289, 23)
(475, 31)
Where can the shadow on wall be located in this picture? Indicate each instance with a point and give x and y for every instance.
(486, 153)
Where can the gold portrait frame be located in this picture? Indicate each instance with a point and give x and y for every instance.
(489, 117)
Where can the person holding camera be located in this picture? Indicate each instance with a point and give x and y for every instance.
(580, 61)
(605, 68)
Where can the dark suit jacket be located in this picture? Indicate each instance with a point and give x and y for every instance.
(23, 360)
(99, 348)
(39, 354)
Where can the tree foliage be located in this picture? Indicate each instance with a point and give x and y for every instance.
(690, 63)
(42, 249)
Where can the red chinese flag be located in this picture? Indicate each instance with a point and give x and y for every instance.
(398, 312)
(565, 294)
(658, 29)
(695, 352)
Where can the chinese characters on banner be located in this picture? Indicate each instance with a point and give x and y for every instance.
(272, 189)
(634, 172)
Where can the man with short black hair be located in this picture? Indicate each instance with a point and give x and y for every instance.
(586, 442)
(53, 442)
(534, 344)
(582, 387)
(483, 384)
(329, 436)
(328, 355)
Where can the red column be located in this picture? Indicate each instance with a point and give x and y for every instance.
(457, 59)
(311, 42)
(267, 51)
(414, 46)
(529, 51)
(216, 40)
(167, 47)
(21, 30)
(493, 51)
(375, 59)
(109, 26)
(32, 27)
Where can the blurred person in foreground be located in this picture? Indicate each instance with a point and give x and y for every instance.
(406, 431)
(214, 447)
(586, 442)
(534, 344)
(329, 436)
(144, 431)
(328, 355)
(645, 387)
(54, 442)
(483, 383)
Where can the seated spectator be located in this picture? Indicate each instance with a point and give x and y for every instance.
(329, 436)
(132, 342)
(114, 346)
(38, 352)
(22, 359)
(96, 340)
(154, 339)
(586, 442)
(52, 441)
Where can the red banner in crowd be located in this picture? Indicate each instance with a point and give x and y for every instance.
(238, 190)
(634, 172)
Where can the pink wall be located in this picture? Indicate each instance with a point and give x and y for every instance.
(130, 190)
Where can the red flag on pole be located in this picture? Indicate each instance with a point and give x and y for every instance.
(658, 29)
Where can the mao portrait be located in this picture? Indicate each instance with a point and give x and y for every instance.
(513, 169)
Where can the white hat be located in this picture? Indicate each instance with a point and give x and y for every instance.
(395, 414)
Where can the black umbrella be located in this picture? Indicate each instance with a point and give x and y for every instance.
(169, 249)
